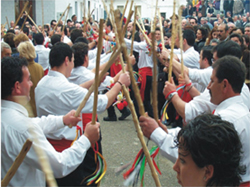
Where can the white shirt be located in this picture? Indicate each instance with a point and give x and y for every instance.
(232, 110)
(92, 53)
(66, 39)
(104, 58)
(201, 76)
(43, 56)
(190, 57)
(236, 112)
(141, 47)
(15, 130)
(55, 95)
(81, 74)
(201, 104)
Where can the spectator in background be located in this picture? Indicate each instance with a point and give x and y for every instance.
(5, 50)
(247, 29)
(212, 35)
(201, 36)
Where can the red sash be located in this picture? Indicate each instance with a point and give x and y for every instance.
(245, 184)
(114, 69)
(60, 145)
(144, 72)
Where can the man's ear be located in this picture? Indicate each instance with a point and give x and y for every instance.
(225, 85)
(16, 90)
(66, 60)
(209, 172)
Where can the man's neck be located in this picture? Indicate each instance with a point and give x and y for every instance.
(186, 47)
(60, 70)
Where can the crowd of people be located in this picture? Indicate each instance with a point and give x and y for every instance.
(46, 72)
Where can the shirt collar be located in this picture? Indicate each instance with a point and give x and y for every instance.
(14, 106)
(226, 103)
(56, 74)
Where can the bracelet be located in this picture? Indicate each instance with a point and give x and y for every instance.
(189, 84)
(166, 97)
(190, 88)
(119, 83)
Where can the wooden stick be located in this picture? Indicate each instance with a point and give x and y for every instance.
(18, 161)
(99, 50)
(181, 41)
(141, 108)
(154, 83)
(42, 16)
(33, 23)
(141, 20)
(43, 159)
(61, 17)
(20, 15)
(172, 44)
(126, 24)
(26, 17)
(65, 20)
(145, 36)
(84, 9)
(3, 26)
(102, 74)
(124, 10)
(156, 7)
(7, 22)
(161, 29)
(133, 33)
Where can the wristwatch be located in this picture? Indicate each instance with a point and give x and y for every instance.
(171, 95)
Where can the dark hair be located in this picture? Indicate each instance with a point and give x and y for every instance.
(227, 48)
(213, 141)
(207, 53)
(38, 38)
(80, 51)
(238, 36)
(51, 22)
(10, 31)
(11, 72)
(58, 54)
(81, 39)
(26, 30)
(194, 19)
(69, 20)
(9, 39)
(189, 35)
(73, 16)
(108, 23)
(204, 32)
(232, 69)
(75, 33)
(246, 38)
(55, 38)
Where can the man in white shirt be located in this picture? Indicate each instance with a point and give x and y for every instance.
(16, 128)
(54, 94)
(225, 86)
(42, 52)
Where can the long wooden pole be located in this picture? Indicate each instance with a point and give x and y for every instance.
(20, 15)
(141, 20)
(143, 32)
(172, 44)
(7, 22)
(131, 106)
(26, 17)
(126, 24)
(61, 17)
(102, 74)
(65, 20)
(133, 33)
(18, 161)
(155, 18)
(42, 16)
(124, 10)
(33, 23)
(161, 29)
(99, 50)
(154, 83)
(181, 41)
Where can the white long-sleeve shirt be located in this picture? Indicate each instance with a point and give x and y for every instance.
(43, 56)
(190, 57)
(55, 95)
(15, 130)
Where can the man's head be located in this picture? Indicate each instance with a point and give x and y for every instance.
(203, 20)
(247, 29)
(157, 34)
(236, 38)
(223, 32)
(227, 79)
(230, 26)
(69, 23)
(206, 56)
(130, 27)
(5, 50)
(75, 33)
(15, 78)
(189, 37)
(80, 54)
(74, 18)
(55, 39)
(38, 38)
(53, 23)
(193, 21)
(61, 56)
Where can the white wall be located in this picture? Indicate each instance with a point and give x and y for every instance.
(7, 9)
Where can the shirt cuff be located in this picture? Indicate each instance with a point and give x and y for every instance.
(158, 136)
(84, 141)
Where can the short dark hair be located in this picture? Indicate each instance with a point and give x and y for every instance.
(232, 69)
(9, 39)
(75, 33)
(81, 39)
(26, 30)
(69, 20)
(80, 51)
(189, 35)
(207, 53)
(238, 36)
(194, 19)
(227, 48)
(51, 22)
(73, 16)
(58, 53)
(108, 23)
(38, 38)
(213, 141)
(55, 38)
(11, 72)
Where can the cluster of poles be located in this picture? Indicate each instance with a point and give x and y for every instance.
(116, 21)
